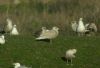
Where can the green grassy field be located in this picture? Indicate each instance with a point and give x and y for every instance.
(39, 54)
(29, 17)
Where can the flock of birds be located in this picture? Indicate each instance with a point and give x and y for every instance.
(10, 28)
(82, 29)
(50, 34)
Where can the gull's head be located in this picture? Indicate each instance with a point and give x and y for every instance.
(55, 28)
(16, 64)
(14, 25)
(74, 50)
(81, 19)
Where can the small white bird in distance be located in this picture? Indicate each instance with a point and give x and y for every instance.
(49, 34)
(81, 28)
(14, 31)
(70, 54)
(2, 39)
(18, 65)
(74, 26)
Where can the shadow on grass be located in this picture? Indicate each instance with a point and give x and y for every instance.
(44, 40)
(65, 60)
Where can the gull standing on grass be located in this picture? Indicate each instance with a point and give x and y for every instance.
(70, 54)
(81, 28)
(74, 26)
(49, 34)
(9, 25)
(14, 31)
(2, 39)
